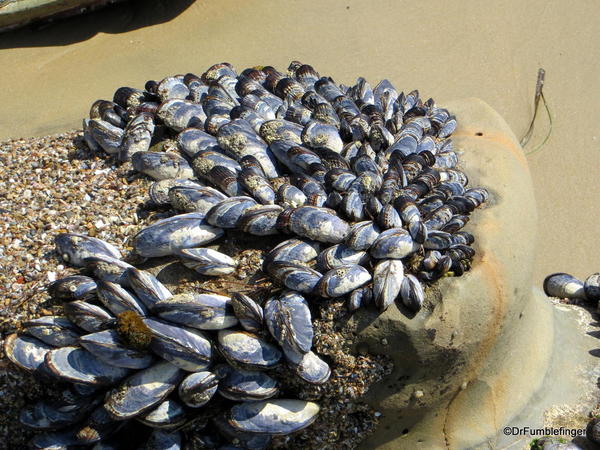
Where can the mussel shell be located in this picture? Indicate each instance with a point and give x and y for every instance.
(341, 255)
(260, 220)
(226, 214)
(198, 199)
(142, 391)
(319, 224)
(161, 165)
(362, 235)
(275, 417)
(591, 287)
(77, 365)
(53, 415)
(296, 277)
(309, 367)
(182, 231)
(74, 248)
(206, 261)
(249, 313)
(395, 243)
(107, 268)
(73, 287)
(388, 276)
(412, 293)
(186, 348)
(201, 311)
(89, 317)
(245, 385)
(53, 330)
(288, 319)
(247, 350)
(117, 299)
(342, 280)
(294, 251)
(168, 414)
(164, 440)
(196, 389)
(107, 346)
(159, 190)
(26, 352)
(563, 285)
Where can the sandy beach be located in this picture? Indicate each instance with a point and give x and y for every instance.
(447, 51)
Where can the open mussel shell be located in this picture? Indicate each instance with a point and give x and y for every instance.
(275, 417)
(25, 351)
(201, 311)
(77, 365)
(53, 415)
(245, 385)
(53, 330)
(247, 350)
(143, 390)
(107, 346)
(74, 248)
(563, 285)
(185, 348)
(198, 388)
(591, 287)
(168, 414)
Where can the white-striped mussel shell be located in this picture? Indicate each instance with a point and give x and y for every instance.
(341, 255)
(193, 140)
(247, 350)
(180, 114)
(249, 313)
(206, 261)
(73, 287)
(288, 319)
(168, 414)
(319, 224)
(201, 311)
(227, 213)
(108, 347)
(308, 366)
(395, 243)
(294, 251)
(107, 268)
(388, 276)
(245, 385)
(181, 231)
(53, 415)
(185, 348)
(260, 220)
(197, 199)
(275, 417)
(77, 365)
(89, 317)
(196, 389)
(159, 190)
(117, 299)
(142, 391)
(563, 285)
(296, 277)
(53, 330)
(161, 165)
(591, 287)
(342, 280)
(412, 293)
(73, 248)
(26, 352)
(362, 235)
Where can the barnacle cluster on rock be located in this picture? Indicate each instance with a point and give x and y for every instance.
(351, 192)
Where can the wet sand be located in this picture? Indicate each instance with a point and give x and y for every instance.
(448, 51)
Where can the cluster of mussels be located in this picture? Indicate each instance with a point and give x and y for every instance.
(365, 181)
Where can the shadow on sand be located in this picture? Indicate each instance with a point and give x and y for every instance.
(118, 18)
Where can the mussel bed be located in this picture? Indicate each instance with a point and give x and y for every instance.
(366, 184)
